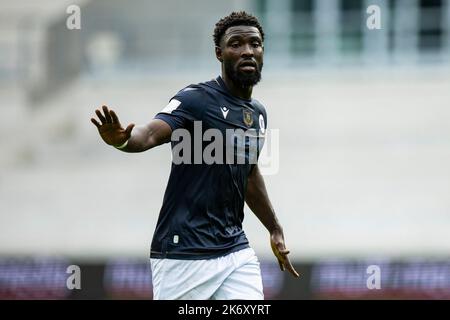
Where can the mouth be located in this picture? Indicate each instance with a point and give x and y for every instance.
(247, 66)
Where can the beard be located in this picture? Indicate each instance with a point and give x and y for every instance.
(243, 79)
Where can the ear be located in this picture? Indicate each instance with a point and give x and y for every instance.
(219, 53)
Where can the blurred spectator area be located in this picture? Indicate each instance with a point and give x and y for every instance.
(126, 278)
(143, 37)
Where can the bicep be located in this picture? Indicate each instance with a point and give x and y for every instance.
(255, 174)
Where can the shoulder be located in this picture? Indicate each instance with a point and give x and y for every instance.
(259, 107)
(191, 94)
(189, 99)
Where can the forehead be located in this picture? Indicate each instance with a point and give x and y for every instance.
(243, 31)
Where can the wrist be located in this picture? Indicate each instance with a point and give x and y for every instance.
(275, 228)
(122, 146)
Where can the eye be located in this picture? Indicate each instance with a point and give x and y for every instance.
(256, 44)
(235, 44)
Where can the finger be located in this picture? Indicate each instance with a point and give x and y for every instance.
(128, 130)
(114, 117)
(96, 123)
(284, 252)
(288, 265)
(281, 265)
(100, 116)
(107, 115)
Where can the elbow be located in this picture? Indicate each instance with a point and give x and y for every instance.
(152, 142)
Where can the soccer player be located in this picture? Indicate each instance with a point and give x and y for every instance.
(199, 249)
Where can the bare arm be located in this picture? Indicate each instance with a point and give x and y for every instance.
(142, 138)
(258, 201)
(148, 136)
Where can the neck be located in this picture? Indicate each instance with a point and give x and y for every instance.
(236, 90)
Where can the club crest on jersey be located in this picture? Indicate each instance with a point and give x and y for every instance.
(248, 117)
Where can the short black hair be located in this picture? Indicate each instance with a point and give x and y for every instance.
(240, 18)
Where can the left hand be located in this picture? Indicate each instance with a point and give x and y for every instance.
(280, 251)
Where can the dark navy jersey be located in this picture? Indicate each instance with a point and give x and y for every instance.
(203, 207)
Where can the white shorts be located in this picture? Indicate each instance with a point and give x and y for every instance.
(234, 276)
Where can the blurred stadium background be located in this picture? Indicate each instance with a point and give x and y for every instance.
(363, 115)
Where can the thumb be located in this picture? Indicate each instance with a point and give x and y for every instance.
(128, 130)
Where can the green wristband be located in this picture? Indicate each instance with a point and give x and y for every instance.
(122, 146)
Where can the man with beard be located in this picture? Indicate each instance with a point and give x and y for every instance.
(199, 249)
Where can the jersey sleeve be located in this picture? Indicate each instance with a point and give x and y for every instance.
(186, 106)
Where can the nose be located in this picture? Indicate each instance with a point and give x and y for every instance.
(247, 51)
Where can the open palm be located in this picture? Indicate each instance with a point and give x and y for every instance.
(110, 128)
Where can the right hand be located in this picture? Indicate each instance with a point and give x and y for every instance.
(110, 128)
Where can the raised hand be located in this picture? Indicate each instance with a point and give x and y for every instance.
(110, 128)
(280, 251)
